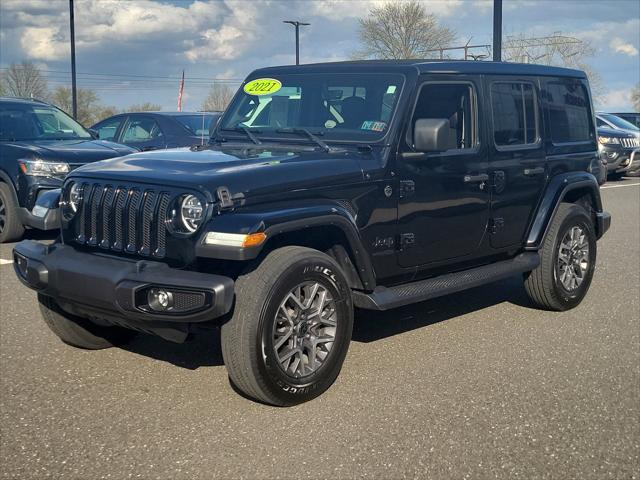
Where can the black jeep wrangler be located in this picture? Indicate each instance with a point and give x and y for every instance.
(323, 188)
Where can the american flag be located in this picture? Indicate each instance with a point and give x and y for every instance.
(180, 92)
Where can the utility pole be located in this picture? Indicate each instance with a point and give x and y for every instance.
(497, 30)
(297, 24)
(74, 96)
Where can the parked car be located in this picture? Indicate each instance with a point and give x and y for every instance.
(609, 120)
(620, 150)
(630, 117)
(39, 145)
(369, 184)
(156, 130)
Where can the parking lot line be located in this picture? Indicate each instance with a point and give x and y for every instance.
(620, 186)
(5, 262)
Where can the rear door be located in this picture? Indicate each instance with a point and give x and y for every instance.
(517, 167)
(143, 132)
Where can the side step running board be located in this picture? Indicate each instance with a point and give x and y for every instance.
(383, 298)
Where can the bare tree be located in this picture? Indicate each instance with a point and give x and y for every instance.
(635, 98)
(558, 50)
(23, 80)
(218, 98)
(144, 107)
(402, 30)
(89, 108)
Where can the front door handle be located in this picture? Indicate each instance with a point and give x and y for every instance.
(483, 177)
(532, 172)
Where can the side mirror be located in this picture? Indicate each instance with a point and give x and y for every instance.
(433, 135)
(94, 133)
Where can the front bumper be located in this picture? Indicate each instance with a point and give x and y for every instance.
(113, 290)
(48, 221)
(619, 159)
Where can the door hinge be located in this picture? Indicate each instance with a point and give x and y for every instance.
(496, 224)
(407, 240)
(407, 188)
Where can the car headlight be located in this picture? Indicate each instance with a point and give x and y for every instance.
(71, 199)
(75, 197)
(608, 140)
(44, 168)
(191, 213)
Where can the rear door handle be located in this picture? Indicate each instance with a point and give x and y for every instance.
(531, 172)
(483, 177)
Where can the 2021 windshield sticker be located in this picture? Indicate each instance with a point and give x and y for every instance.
(262, 86)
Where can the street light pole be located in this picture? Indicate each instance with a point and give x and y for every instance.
(74, 97)
(497, 30)
(297, 24)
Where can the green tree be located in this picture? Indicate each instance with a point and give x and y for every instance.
(89, 106)
(144, 107)
(23, 80)
(402, 30)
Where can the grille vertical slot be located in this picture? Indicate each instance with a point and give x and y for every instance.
(122, 218)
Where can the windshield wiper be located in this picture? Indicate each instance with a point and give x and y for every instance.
(246, 131)
(311, 136)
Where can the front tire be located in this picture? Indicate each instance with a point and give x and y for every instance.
(80, 332)
(10, 227)
(291, 327)
(567, 261)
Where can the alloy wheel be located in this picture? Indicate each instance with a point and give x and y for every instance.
(573, 258)
(304, 329)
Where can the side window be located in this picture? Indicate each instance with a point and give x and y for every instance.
(141, 130)
(569, 112)
(514, 114)
(107, 130)
(454, 103)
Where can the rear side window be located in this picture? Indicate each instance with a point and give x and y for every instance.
(514, 114)
(141, 130)
(569, 112)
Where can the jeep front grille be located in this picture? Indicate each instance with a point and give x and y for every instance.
(123, 219)
(630, 142)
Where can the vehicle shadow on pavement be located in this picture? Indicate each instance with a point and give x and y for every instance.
(203, 349)
(370, 326)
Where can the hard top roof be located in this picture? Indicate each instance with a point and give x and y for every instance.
(23, 100)
(426, 66)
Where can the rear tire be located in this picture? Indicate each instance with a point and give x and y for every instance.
(290, 329)
(80, 332)
(567, 261)
(10, 227)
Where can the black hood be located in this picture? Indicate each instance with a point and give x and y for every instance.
(616, 133)
(74, 152)
(251, 172)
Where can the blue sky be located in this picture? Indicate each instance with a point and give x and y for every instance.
(151, 42)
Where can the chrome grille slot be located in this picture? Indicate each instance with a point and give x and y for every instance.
(122, 218)
(630, 142)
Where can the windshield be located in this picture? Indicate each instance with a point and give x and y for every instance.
(38, 122)
(619, 122)
(197, 124)
(338, 106)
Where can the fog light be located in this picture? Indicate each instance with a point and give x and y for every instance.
(159, 299)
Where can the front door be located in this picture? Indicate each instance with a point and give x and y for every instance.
(517, 165)
(443, 206)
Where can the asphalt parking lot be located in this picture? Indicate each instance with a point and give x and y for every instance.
(475, 385)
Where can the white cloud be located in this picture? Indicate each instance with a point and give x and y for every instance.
(619, 99)
(618, 45)
(44, 43)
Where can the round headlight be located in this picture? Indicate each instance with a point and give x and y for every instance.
(191, 212)
(75, 197)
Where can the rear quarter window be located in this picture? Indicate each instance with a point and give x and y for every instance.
(569, 111)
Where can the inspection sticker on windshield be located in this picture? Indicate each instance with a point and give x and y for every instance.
(374, 126)
(262, 86)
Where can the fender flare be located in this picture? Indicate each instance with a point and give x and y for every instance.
(286, 220)
(4, 177)
(557, 190)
